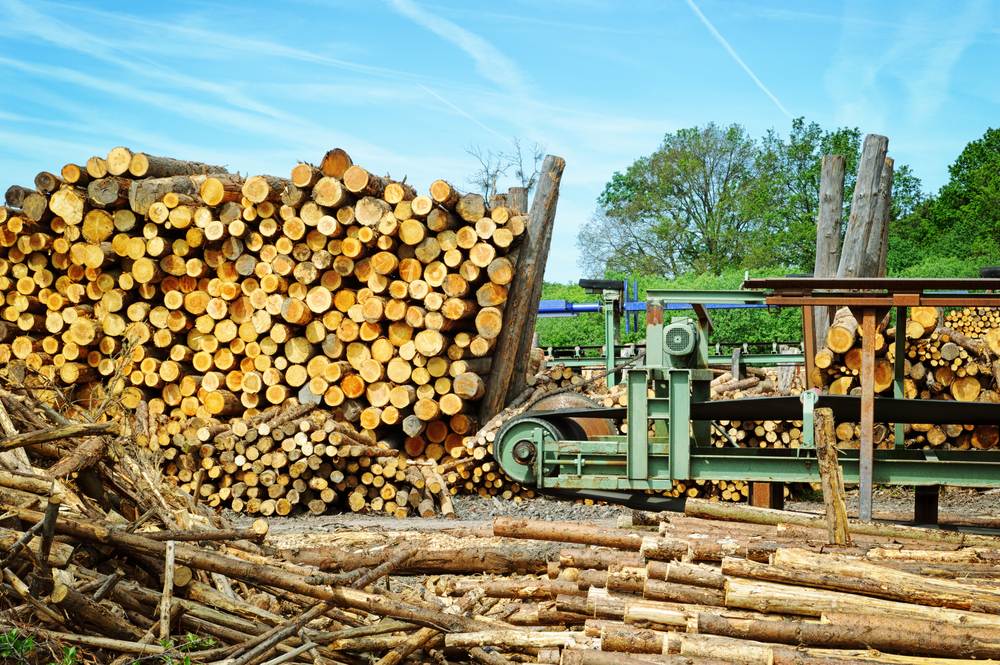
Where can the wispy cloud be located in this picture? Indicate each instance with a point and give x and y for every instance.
(491, 63)
(908, 77)
(736, 56)
(929, 88)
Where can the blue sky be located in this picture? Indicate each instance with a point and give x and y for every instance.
(407, 85)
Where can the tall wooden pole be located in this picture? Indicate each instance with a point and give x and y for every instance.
(510, 357)
(878, 243)
(863, 206)
(831, 212)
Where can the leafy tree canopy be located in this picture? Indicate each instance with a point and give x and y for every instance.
(714, 197)
(960, 227)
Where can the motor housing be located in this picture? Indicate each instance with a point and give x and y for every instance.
(680, 337)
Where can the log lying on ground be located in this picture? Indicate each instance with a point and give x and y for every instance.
(171, 567)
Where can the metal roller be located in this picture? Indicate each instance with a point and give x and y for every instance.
(518, 440)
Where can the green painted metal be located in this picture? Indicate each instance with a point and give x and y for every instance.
(534, 431)
(808, 398)
(706, 297)
(680, 448)
(638, 425)
(680, 420)
(602, 467)
(612, 324)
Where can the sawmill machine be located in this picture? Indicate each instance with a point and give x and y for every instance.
(669, 420)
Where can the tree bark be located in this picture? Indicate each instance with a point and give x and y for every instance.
(863, 206)
(510, 359)
(828, 229)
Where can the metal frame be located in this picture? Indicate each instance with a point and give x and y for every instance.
(873, 300)
(680, 448)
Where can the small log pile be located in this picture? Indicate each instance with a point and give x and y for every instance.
(976, 322)
(223, 295)
(723, 584)
(941, 362)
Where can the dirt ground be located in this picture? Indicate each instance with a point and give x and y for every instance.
(475, 515)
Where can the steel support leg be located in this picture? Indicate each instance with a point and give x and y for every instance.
(809, 343)
(768, 495)
(925, 504)
(638, 425)
(867, 453)
(899, 376)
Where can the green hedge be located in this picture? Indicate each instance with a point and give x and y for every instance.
(738, 325)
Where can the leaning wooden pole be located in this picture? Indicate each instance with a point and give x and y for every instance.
(510, 356)
(863, 206)
(877, 249)
(832, 479)
(831, 212)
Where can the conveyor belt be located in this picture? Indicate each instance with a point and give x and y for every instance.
(887, 409)
(845, 408)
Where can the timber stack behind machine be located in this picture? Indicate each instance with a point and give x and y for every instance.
(670, 415)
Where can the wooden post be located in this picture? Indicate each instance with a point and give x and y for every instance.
(831, 213)
(886, 211)
(875, 248)
(510, 357)
(832, 480)
(517, 199)
(863, 206)
(867, 444)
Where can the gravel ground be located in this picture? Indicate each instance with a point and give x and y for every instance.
(471, 512)
(475, 513)
(953, 501)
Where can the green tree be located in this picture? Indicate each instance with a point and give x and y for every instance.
(713, 198)
(680, 208)
(962, 222)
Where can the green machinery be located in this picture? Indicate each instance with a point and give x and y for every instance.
(613, 305)
(668, 394)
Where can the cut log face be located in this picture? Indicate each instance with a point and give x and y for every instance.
(211, 298)
(947, 356)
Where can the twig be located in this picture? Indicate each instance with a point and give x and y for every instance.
(285, 657)
(140, 521)
(266, 642)
(22, 590)
(107, 586)
(21, 542)
(168, 590)
(55, 434)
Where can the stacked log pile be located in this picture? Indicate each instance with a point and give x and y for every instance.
(204, 295)
(952, 357)
(975, 322)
